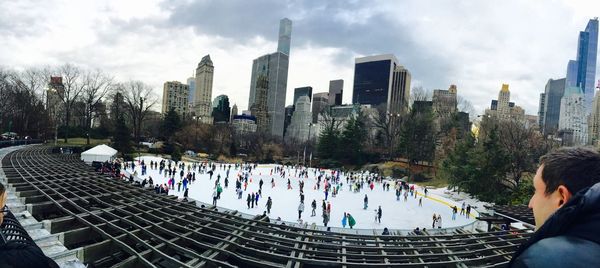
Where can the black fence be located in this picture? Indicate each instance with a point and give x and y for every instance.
(9, 143)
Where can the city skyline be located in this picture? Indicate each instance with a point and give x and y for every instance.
(129, 41)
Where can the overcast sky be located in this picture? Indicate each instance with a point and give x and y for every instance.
(477, 45)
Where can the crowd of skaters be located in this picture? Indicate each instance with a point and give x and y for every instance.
(181, 176)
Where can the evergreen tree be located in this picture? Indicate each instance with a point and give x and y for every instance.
(171, 124)
(457, 167)
(176, 155)
(122, 136)
(352, 140)
(329, 141)
(417, 137)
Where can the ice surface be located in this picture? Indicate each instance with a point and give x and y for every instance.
(396, 214)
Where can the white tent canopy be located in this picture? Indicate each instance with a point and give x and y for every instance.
(99, 153)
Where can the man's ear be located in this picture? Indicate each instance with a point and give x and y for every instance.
(563, 195)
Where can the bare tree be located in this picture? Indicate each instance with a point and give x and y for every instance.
(419, 94)
(465, 105)
(389, 126)
(96, 86)
(21, 106)
(73, 87)
(139, 99)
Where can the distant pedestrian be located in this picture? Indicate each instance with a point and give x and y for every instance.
(454, 211)
(365, 202)
(269, 204)
(215, 197)
(300, 209)
(344, 220)
(385, 231)
(379, 212)
(351, 221)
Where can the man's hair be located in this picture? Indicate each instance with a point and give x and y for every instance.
(2, 189)
(574, 167)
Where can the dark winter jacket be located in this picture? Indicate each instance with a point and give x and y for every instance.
(14, 254)
(569, 238)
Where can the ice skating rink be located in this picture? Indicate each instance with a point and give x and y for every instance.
(396, 214)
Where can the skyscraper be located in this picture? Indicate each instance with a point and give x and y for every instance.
(555, 89)
(319, 103)
(203, 90)
(336, 89)
(221, 110)
(541, 111)
(274, 68)
(191, 82)
(587, 50)
(380, 80)
(302, 91)
(260, 107)
(573, 119)
(571, 78)
(234, 112)
(445, 101)
(594, 126)
(299, 125)
(175, 96)
(504, 109)
(285, 36)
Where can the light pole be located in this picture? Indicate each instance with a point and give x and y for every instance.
(307, 141)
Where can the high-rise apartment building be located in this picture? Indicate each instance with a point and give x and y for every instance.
(380, 80)
(541, 110)
(301, 120)
(594, 124)
(444, 107)
(274, 68)
(553, 93)
(203, 90)
(582, 71)
(320, 102)
(302, 91)
(191, 82)
(175, 96)
(573, 118)
(234, 112)
(221, 112)
(445, 101)
(54, 95)
(336, 89)
(259, 108)
(504, 109)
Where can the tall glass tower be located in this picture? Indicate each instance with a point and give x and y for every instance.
(273, 69)
(587, 51)
(285, 36)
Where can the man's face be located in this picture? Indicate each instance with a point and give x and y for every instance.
(2, 203)
(543, 204)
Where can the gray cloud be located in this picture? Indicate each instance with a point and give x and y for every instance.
(476, 45)
(354, 26)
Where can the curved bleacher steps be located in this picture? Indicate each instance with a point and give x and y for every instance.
(111, 223)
